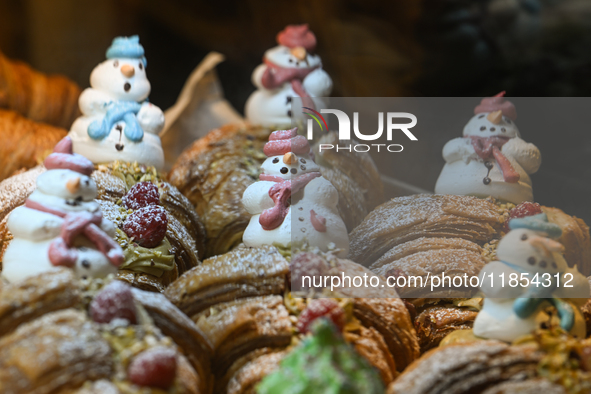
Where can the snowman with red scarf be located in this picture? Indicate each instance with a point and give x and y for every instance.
(490, 159)
(288, 70)
(293, 205)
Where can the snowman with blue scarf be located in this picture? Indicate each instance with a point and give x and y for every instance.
(118, 122)
(513, 310)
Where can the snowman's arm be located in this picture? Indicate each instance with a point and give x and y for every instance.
(459, 149)
(496, 285)
(256, 197)
(526, 154)
(93, 102)
(318, 83)
(257, 76)
(151, 118)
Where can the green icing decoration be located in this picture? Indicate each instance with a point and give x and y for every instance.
(153, 261)
(323, 364)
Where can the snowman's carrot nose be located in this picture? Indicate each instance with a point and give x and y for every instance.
(546, 244)
(73, 185)
(299, 53)
(127, 70)
(290, 158)
(495, 117)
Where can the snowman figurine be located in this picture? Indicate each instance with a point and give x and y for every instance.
(118, 122)
(491, 159)
(61, 224)
(292, 204)
(288, 70)
(523, 283)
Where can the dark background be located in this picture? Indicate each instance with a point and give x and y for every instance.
(371, 48)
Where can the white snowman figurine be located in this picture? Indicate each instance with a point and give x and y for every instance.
(523, 282)
(288, 70)
(491, 159)
(61, 224)
(292, 204)
(118, 123)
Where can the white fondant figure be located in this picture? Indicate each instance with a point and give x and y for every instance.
(61, 224)
(513, 309)
(117, 122)
(293, 204)
(490, 159)
(288, 70)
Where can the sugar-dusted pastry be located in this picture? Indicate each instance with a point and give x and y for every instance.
(511, 311)
(290, 69)
(60, 224)
(490, 159)
(292, 205)
(118, 122)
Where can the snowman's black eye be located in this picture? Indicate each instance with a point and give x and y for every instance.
(141, 66)
(481, 116)
(482, 128)
(275, 160)
(523, 237)
(531, 260)
(116, 63)
(290, 60)
(284, 170)
(294, 170)
(508, 120)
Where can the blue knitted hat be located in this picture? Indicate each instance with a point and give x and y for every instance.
(127, 47)
(537, 222)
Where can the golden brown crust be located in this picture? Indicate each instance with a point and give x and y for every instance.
(575, 238)
(370, 344)
(246, 378)
(25, 143)
(51, 99)
(404, 219)
(435, 322)
(33, 297)
(467, 368)
(213, 173)
(57, 351)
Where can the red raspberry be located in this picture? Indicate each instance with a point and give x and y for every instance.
(310, 265)
(522, 210)
(154, 367)
(114, 301)
(141, 195)
(147, 226)
(323, 307)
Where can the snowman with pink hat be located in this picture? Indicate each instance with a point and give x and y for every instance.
(61, 224)
(289, 70)
(292, 205)
(490, 159)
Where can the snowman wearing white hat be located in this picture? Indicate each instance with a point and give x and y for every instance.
(530, 275)
(293, 205)
(61, 224)
(490, 159)
(288, 70)
(118, 122)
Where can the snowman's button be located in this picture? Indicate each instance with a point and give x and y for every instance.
(554, 265)
(303, 168)
(482, 128)
(543, 264)
(531, 260)
(301, 219)
(275, 160)
(294, 170)
(85, 264)
(301, 208)
(492, 129)
(303, 161)
(524, 237)
(303, 229)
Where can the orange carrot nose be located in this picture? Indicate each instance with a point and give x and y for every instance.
(290, 158)
(128, 70)
(73, 185)
(299, 53)
(546, 244)
(495, 117)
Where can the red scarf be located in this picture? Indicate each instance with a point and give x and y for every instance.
(488, 148)
(281, 193)
(275, 76)
(61, 251)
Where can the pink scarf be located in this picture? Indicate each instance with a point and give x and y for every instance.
(281, 193)
(487, 148)
(275, 76)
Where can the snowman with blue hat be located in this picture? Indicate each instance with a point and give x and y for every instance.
(516, 307)
(118, 122)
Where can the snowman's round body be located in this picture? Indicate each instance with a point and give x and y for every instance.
(317, 199)
(33, 230)
(120, 81)
(273, 107)
(466, 173)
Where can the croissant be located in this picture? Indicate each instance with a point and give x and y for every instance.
(51, 99)
(25, 143)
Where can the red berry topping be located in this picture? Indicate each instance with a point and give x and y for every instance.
(141, 195)
(147, 225)
(323, 307)
(310, 265)
(114, 301)
(154, 367)
(522, 210)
